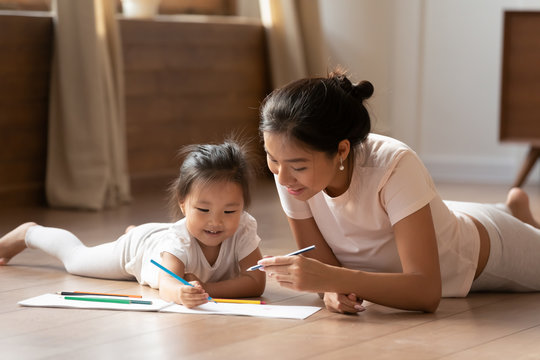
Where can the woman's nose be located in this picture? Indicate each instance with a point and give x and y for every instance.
(284, 177)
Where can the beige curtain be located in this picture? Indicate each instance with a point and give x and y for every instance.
(295, 41)
(86, 160)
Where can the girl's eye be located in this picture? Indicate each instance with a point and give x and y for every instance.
(202, 210)
(230, 211)
(271, 159)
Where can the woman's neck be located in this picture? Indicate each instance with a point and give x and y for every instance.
(342, 179)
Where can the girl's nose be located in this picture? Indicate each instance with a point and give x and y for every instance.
(216, 219)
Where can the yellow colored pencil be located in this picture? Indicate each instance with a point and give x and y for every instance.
(239, 301)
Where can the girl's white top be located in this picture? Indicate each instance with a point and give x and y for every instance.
(149, 241)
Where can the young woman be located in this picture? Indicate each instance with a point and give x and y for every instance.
(382, 233)
(211, 246)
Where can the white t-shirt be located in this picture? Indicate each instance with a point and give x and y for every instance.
(149, 241)
(389, 183)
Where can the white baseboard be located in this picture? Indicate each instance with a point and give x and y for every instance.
(477, 170)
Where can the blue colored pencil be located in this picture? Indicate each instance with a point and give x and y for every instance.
(174, 275)
(297, 252)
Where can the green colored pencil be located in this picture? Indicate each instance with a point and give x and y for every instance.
(110, 300)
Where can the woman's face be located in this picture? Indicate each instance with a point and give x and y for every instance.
(302, 171)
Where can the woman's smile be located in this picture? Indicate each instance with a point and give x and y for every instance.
(295, 192)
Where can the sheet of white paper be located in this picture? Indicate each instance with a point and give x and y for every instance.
(54, 300)
(268, 311)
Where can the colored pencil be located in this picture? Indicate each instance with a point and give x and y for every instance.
(239, 301)
(297, 252)
(174, 275)
(82, 293)
(109, 300)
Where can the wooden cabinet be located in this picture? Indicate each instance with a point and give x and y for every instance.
(189, 82)
(186, 82)
(520, 91)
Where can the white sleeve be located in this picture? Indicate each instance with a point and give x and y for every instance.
(292, 207)
(246, 236)
(407, 187)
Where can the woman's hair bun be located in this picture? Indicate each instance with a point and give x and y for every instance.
(363, 90)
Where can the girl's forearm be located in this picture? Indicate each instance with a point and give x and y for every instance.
(242, 286)
(168, 290)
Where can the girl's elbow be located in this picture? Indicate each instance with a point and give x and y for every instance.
(261, 287)
(257, 287)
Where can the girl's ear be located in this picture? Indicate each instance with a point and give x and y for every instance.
(344, 148)
(182, 207)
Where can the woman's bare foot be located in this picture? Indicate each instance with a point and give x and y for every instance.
(13, 242)
(518, 203)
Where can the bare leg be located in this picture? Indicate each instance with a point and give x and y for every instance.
(518, 203)
(13, 242)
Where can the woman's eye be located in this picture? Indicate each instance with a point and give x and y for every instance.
(202, 210)
(299, 169)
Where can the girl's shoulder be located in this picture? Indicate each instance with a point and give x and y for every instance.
(247, 221)
(178, 231)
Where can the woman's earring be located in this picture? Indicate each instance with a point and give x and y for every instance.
(341, 167)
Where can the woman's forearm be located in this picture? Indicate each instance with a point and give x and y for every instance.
(398, 290)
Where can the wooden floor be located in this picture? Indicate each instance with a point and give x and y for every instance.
(481, 326)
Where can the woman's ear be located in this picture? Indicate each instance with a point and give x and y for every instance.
(344, 148)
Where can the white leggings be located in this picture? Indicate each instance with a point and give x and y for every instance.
(104, 261)
(514, 258)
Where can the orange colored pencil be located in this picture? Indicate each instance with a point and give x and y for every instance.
(96, 293)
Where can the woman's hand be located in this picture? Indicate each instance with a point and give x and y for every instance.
(191, 296)
(344, 304)
(298, 272)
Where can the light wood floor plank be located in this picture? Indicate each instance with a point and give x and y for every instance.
(481, 326)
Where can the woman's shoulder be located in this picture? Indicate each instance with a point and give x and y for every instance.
(374, 140)
(378, 150)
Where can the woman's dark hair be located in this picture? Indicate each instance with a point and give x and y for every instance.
(208, 163)
(319, 112)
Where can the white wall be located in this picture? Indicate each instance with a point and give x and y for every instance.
(435, 65)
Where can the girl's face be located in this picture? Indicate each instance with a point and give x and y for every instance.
(213, 211)
(302, 171)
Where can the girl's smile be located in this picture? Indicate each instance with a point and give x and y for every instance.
(213, 211)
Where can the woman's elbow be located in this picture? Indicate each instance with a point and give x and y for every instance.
(431, 305)
(432, 299)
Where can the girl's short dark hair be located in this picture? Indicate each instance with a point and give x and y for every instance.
(208, 163)
(319, 112)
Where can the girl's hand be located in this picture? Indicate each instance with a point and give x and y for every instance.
(344, 304)
(191, 296)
